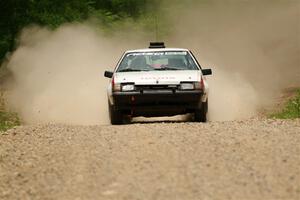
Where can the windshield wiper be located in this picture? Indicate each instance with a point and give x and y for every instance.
(131, 70)
(167, 68)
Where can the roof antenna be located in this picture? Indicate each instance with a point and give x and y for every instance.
(156, 28)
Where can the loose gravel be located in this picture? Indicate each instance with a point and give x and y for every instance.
(252, 159)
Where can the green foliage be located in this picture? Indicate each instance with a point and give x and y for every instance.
(16, 14)
(7, 119)
(291, 110)
(4, 45)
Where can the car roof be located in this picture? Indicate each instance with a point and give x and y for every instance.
(155, 50)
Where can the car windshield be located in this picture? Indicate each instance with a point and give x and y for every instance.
(152, 61)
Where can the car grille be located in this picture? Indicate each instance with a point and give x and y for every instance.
(156, 87)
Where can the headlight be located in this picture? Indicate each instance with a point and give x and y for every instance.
(127, 88)
(187, 86)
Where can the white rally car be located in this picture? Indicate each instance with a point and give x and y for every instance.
(156, 82)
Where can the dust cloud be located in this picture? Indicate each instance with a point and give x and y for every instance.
(252, 46)
(58, 75)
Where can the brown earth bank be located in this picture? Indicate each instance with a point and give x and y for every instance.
(251, 159)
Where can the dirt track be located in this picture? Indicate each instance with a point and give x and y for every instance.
(254, 159)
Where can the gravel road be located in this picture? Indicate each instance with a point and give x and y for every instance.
(252, 159)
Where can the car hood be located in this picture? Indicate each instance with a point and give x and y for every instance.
(157, 77)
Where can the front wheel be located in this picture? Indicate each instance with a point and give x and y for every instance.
(200, 114)
(115, 115)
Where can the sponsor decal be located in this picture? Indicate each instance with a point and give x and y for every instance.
(170, 53)
(158, 78)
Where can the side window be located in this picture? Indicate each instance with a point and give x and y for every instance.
(177, 61)
(124, 63)
(185, 61)
(190, 63)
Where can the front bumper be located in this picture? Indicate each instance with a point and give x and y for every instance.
(157, 102)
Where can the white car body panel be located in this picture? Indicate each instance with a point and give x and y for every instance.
(158, 77)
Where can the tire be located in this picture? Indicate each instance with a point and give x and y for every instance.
(200, 114)
(116, 117)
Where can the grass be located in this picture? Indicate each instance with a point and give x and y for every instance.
(291, 109)
(7, 119)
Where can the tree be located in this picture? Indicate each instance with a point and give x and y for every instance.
(16, 14)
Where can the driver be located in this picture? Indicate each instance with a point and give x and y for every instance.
(139, 62)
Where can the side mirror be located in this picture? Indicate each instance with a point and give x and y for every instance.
(206, 72)
(108, 74)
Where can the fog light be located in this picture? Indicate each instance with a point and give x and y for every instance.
(186, 86)
(127, 88)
